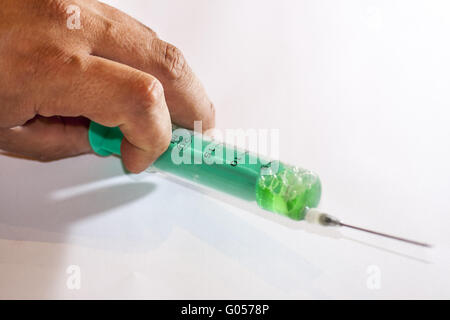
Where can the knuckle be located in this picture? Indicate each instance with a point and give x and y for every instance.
(109, 28)
(54, 8)
(46, 63)
(75, 62)
(52, 59)
(148, 93)
(173, 61)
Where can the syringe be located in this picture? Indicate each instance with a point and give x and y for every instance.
(276, 187)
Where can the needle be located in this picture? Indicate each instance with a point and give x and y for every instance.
(417, 243)
(330, 221)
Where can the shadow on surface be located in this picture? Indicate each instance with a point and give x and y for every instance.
(29, 201)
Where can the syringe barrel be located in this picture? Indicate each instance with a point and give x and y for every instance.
(272, 185)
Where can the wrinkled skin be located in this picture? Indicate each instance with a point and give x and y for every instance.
(113, 70)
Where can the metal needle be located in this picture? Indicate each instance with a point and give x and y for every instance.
(328, 220)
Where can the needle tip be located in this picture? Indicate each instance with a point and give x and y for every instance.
(326, 220)
(417, 243)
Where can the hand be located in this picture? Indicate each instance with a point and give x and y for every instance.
(113, 70)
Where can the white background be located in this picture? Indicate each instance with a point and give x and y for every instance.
(360, 93)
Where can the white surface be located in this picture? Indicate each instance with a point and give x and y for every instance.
(360, 92)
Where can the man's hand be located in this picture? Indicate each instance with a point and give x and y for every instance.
(113, 70)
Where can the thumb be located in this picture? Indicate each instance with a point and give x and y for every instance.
(47, 139)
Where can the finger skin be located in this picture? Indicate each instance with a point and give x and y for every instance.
(113, 70)
(142, 49)
(114, 94)
(111, 94)
(47, 139)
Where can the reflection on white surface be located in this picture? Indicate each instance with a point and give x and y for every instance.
(124, 214)
(359, 91)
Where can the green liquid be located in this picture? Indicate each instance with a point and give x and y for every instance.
(275, 187)
(289, 192)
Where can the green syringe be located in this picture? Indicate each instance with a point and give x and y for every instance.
(276, 187)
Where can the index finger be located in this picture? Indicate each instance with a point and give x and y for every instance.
(114, 95)
(125, 40)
